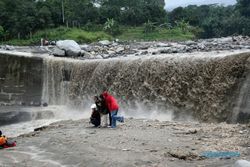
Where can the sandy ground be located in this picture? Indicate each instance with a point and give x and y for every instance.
(136, 142)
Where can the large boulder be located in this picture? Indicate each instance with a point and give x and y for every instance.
(7, 47)
(70, 47)
(242, 163)
(58, 52)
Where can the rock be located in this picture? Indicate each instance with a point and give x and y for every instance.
(192, 131)
(153, 151)
(9, 47)
(163, 51)
(144, 53)
(105, 42)
(182, 154)
(145, 47)
(86, 48)
(41, 128)
(110, 52)
(119, 49)
(70, 47)
(106, 56)
(58, 52)
(162, 45)
(45, 104)
(225, 40)
(189, 43)
(175, 50)
(114, 44)
(86, 55)
(98, 57)
(242, 163)
(201, 46)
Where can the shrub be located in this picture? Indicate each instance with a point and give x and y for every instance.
(149, 27)
(112, 27)
(183, 25)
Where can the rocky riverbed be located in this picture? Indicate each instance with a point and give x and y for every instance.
(137, 142)
(106, 49)
(110, 49)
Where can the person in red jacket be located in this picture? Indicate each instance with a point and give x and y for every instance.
(113, 108)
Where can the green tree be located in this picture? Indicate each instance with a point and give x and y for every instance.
(1, 32)
(107, 12)
(44, 18)
(177, 14)
(133, 12)
(112, 27)
(26, 23)
(89, 14)
(244, 7)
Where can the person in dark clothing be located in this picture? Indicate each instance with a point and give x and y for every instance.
(103, 109)
(95, 118)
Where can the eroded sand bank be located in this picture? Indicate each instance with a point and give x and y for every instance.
(137, 142)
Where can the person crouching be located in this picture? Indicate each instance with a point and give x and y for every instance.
(95, 118)
(103, 110)
(4, 142)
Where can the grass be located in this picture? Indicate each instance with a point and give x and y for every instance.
(62, 33)
(136, 33)
(83, 36)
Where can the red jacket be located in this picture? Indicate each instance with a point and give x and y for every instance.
(110, 101)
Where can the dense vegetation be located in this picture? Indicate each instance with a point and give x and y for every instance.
(146, 19)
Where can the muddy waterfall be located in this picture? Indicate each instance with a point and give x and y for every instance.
(211, 88)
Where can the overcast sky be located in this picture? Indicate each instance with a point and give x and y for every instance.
(171, 4)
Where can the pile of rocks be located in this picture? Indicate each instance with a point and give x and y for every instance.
(7, 47)
(107, 49)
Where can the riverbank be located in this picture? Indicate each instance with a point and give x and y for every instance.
(116, 49)
(91, 35)
(137, 142)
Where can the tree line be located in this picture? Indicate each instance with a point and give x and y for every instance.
(22, 18)
(215, 21)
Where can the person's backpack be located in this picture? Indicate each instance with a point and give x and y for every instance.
(95, 118)
(95, 121)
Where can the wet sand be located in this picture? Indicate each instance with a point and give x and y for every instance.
(136, 142)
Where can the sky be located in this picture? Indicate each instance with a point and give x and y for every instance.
(171, 4)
